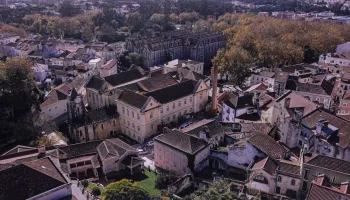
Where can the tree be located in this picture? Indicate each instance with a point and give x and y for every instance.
(46, 141)
(234, 62)
(219, 189)
(136, 59)
(19, 100)
(164, 180)
(125, 190)
(67, 9)
(96, 191)
(84, 183)
(134, 21)
(188, 17)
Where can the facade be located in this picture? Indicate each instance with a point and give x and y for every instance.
(281, 79)
(84, 160)
(238, 106)
(110, 68)
(140, 114)
(180, 153)
(262, 77)
(192, 65)
(100, 91)
(56, 103)
(201, 47)
(93, 124)
(315, 93)
(318, 131)
(337, 170)
(275, 176)
(341, 59)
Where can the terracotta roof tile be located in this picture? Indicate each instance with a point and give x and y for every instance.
(30, 179)
(330, 163)
(267, 145)
(181, 141)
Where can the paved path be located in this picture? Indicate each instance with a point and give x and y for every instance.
(77, 192)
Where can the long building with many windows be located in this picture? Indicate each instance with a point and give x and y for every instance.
(155, 50)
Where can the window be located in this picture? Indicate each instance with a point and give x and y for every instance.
(133, 125)
(151, 115)
(167, 108)
(123, 110)
(138, 128)
(173, 105)
(292, 182)
(279, 179)
(333, 180)
(151, 126)
(174, 116)
(160, 157)
(128, 123)
(132, 113)
(102, 126)
(306, 174)
(190, 99)
(127, 112)
(138, 116)
(200, 96)
(161, 110)
(179, 103)
(185, 101)
(114, 123)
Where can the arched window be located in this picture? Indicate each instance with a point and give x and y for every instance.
(279, 179)
(293, 182)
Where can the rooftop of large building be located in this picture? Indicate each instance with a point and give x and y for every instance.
(30, 179)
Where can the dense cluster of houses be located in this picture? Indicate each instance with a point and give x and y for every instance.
(285, 134)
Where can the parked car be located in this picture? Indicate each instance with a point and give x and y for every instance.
(150, 143)
(184, 125)
(140, 150)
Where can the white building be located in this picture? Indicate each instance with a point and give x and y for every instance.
(192, 65)
(55, 104)
(95, 64)
(262, 77)
(110, 68)
(140, 114)
(341, 59)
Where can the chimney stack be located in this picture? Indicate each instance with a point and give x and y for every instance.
(215, 88)
(344, 187)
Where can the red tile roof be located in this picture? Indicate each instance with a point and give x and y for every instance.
(268, 145)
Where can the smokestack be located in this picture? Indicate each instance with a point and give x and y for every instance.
(215, 88)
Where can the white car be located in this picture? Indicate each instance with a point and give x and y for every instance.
(140, 150)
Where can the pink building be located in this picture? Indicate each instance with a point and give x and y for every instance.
(180, 153)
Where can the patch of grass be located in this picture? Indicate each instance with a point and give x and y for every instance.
(92, 185)
(149, 183)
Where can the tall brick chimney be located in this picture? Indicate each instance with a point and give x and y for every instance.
(215, 88)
